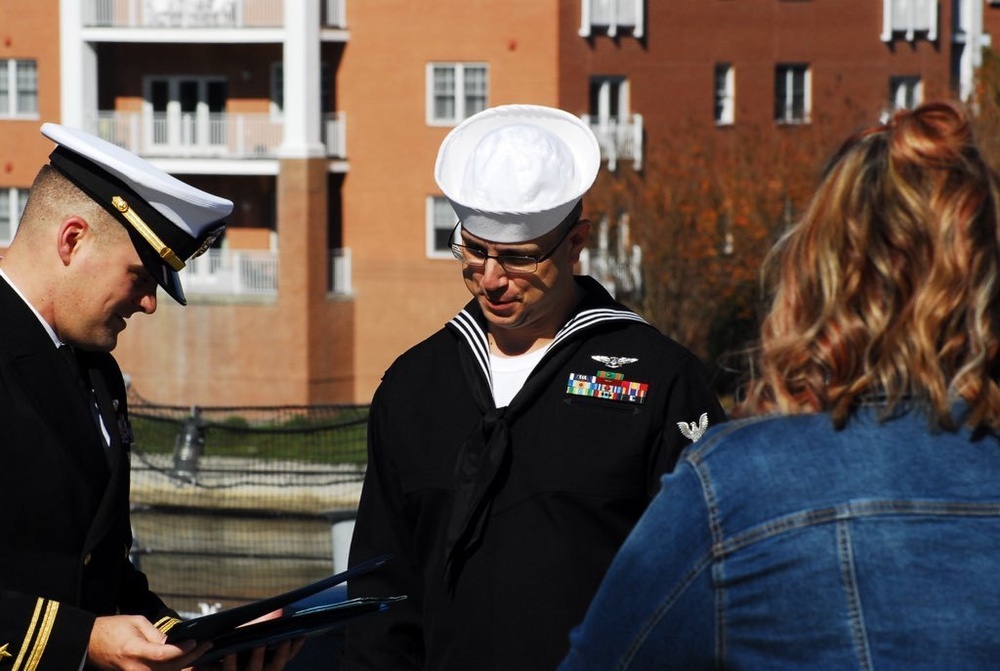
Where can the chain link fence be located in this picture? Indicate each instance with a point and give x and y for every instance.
(234, 504)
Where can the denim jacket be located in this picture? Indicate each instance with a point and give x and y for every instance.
(782, 543)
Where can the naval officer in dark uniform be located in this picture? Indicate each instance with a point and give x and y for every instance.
(101, 230)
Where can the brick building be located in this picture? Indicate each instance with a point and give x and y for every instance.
(321, 120)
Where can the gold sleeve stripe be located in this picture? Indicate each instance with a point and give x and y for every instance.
(28, 635)
(165, 624)
(48, 621)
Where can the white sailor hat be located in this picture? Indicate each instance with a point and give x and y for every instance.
(169, 221)
(513, 173)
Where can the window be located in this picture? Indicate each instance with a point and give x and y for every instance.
(909, 17)
(608, 16)
(277, 104)
(12, 203)
(618, 130)
(905, 92)
(791, 93)
(18, 87)
(455, 91)
(609, 97)
(441, 222)
(725, 94)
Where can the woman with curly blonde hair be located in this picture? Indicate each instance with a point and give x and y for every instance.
(851, 519)
(887, 288)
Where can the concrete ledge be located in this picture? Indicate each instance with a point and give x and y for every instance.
(229, 483)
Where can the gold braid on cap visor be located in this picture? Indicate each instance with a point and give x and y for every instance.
(145, 231)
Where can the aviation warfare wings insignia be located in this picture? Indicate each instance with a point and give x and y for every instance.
(692, 430)
(613, 361)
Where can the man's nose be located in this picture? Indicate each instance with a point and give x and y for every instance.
(493, 273)
(147, 302)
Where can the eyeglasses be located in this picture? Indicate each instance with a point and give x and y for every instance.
(512, 263)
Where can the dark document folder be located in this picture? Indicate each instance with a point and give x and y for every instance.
(229, 632)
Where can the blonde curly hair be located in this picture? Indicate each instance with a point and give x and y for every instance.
(888, 286)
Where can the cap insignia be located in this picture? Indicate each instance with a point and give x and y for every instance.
(146, 232)
(209, 241)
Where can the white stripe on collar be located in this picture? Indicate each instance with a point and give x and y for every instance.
(467, 326)
(474, 335)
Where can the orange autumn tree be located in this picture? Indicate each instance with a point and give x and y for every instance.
(986, 107)
(704, 210)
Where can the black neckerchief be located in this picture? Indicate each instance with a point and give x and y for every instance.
(484, 459)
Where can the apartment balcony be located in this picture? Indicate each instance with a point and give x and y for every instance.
(619, 137)
(621, 278)
(253, 273)
(224, 272)
(200, 13)
(208, 135)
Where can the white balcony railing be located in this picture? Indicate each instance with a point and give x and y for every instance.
(340, 271)
(183, 13)
(334, 13)
(228, 272)
(619, 137)
(200, 13)
(619, 266)
(233, 272)
(222, 135)
(335, 134)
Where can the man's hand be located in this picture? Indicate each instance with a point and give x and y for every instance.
(132, 643)
(259, 661)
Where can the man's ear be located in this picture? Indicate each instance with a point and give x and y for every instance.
(72, 232)
(578, 239)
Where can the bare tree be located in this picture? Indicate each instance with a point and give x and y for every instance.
(705, 210)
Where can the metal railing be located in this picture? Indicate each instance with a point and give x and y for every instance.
(333, 13)
(200, 13)
(620, 138)
(232, 273)
(209, 135)
(340, 271)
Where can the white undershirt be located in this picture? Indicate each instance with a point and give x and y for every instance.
(510, 372)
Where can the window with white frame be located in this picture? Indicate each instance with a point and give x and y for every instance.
(455, 91)
(909, 18)
(18, 87)
(905, 92)
(441, 222)
(612, 16)
(725, 94)
(609, 97)
(792, 93)
(12, 201)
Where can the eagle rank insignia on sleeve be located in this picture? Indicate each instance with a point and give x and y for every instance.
(693, 431)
